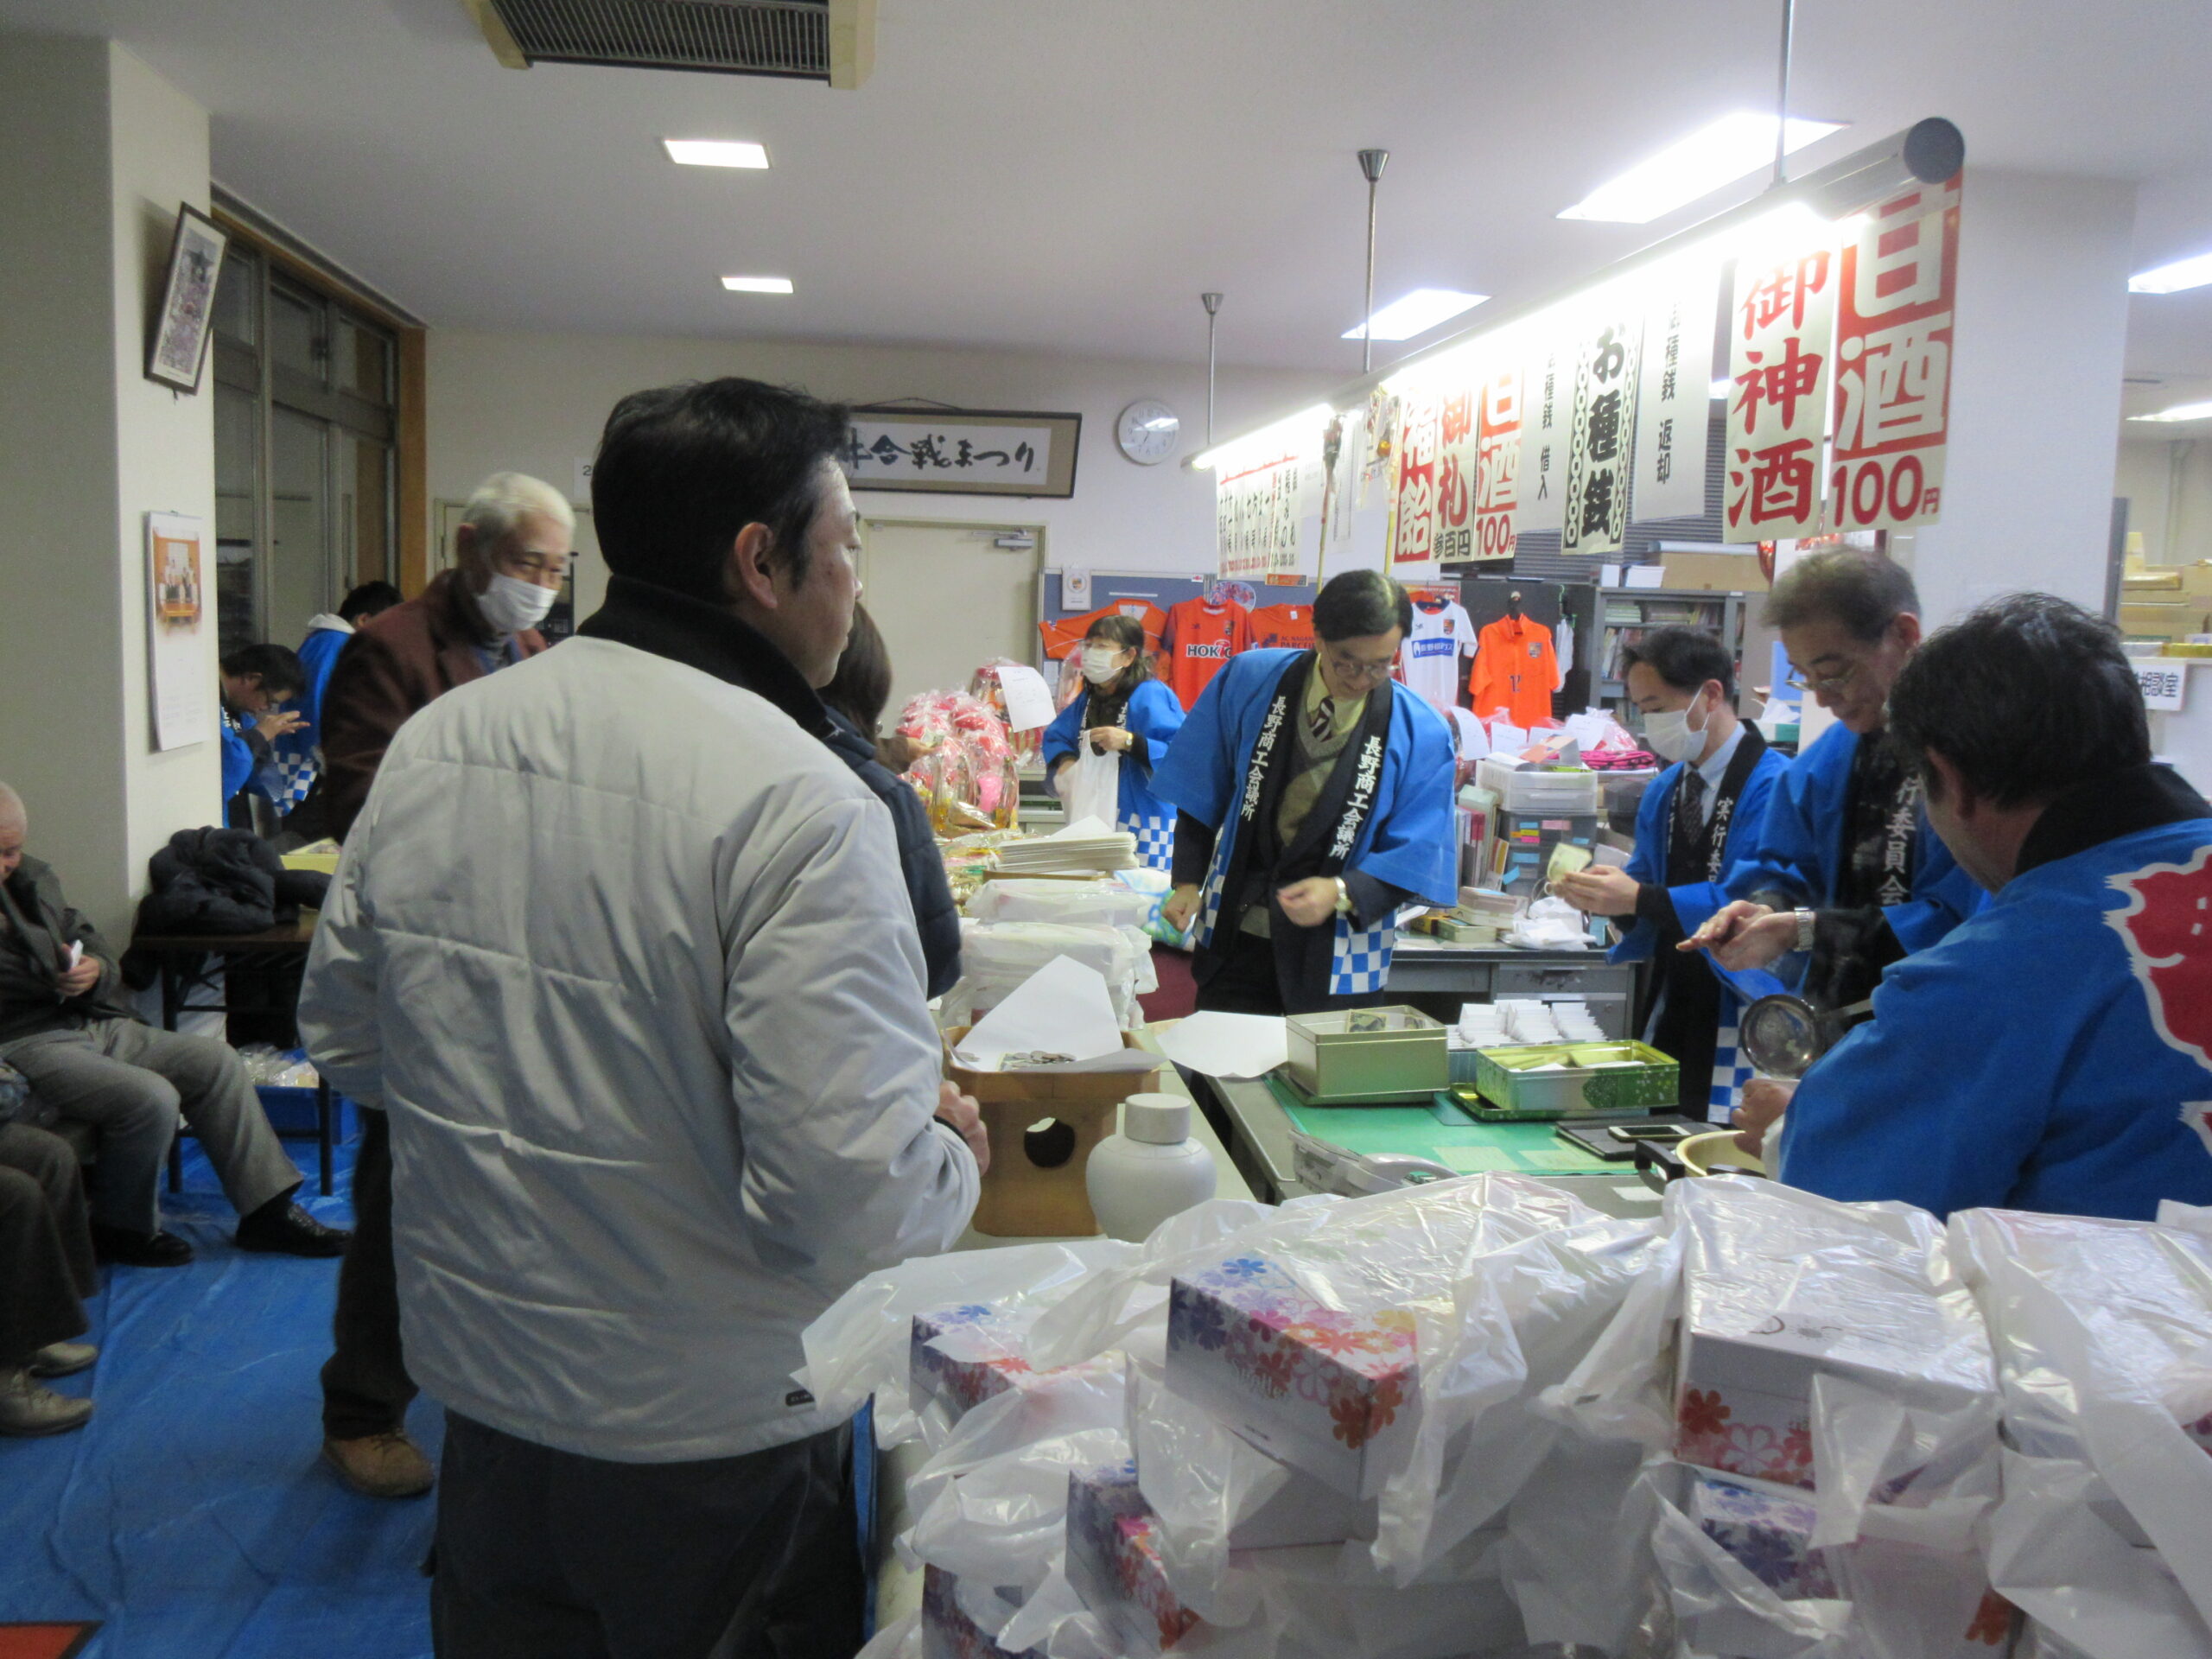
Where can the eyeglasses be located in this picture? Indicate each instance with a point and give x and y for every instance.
(1351, 668)
(1827, 685)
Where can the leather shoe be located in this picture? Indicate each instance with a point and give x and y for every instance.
(27, 1407)
(63, 1358)
(125, 1249)
(287, 1230)
(381, 1466)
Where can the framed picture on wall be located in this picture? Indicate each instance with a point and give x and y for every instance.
(961, 451)
(177, 354)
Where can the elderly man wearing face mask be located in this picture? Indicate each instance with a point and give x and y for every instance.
(510, 556)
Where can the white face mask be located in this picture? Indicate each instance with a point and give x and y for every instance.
(1671, 736)
(1100, 664)
(510, 604)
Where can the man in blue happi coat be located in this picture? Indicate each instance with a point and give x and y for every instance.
(1845, 870)
(2055, 1051)
(1314, 799)
(1696, 821)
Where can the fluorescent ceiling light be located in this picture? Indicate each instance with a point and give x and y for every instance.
(1416, 314)
(1694, 167)
(2172, 279)
(2179, 412)
(758, 285)
(715, 152)
(1284, 434)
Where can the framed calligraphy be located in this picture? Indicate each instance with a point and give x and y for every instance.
(961, 451)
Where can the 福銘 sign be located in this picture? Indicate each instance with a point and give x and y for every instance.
(1602, 429)
(1895, 297)
(961, 451)
(1414, 502)
(1780, 327)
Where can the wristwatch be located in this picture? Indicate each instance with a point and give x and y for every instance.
(1344, 897)
(1805, 919)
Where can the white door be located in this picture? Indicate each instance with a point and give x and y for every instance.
(948, 600)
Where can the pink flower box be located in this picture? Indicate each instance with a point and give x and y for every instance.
(1113, 1561)
(948, 1633)
(960, 1356)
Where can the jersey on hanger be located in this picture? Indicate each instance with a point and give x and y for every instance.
(1063, 638)
(1516, 670)
(1197, 642)
(1429, 660)
(1286, 625)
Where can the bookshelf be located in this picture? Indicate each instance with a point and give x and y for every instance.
(1625, 612)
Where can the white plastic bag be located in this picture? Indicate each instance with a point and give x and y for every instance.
(1092, 787)
(1091, 904)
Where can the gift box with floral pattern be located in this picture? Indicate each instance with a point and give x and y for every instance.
(1113, 1560)
(948, 1633)
(960, 1356)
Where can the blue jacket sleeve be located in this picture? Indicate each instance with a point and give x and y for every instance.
(1410, 843)
(237, 761)
(1943, 895)
(1785, 855)
(319, 655)
(1639, 940)
(1061, 736)
(1205, 764)
(1155, 715)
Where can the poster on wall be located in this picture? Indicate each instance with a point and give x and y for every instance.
(180, 630)
(1414, 503)
(1542, 481)
(1498, 463)
(1602, 429)
(1262, 507)
(1780, 325)
(1895, 295)
(1675, 403)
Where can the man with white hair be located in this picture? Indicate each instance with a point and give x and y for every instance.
(510, 556)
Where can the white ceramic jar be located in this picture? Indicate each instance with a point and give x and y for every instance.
(1152, 1169)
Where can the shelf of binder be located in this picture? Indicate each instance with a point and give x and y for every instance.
(1628, 611)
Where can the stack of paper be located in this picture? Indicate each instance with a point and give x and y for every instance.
(1086, 847)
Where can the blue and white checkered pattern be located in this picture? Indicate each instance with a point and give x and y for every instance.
(1360, 966)
(1732, 1069)
(1155, 834)
(1210, 896)
(291, 775)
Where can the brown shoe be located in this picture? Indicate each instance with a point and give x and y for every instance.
(381, 1466)
(29, 1408)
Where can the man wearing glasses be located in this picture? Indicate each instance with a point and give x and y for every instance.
(1312, 801)
(1845, 868)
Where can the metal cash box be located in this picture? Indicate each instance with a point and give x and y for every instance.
(1367, 1054)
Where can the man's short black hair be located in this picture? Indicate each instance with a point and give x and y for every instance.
(369, 599)
(1684, 657)
(1360, 603)
(682, 469)
(2027, 698)
(281, 676)
(1863, 593)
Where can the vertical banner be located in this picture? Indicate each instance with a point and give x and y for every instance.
(1259, 507)
(1604, 427)
(1456, 465)
(1674, 405)
(1895, 295)
(1780, 327)
(1543, 434)
(1412, 504)
(1498, 463)
(180, 630)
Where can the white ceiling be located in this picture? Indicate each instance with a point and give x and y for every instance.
(1068, 175)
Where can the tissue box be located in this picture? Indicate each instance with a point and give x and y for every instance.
(1321, 1389)
(948, 1633)
(986, 1358)
(1304, 1512)
(1113, 1560)
(1769, 1530)
(1777, 1289)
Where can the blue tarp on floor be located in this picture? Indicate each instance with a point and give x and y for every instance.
(193, 1513)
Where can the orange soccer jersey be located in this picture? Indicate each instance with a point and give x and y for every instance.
(1061, 638)
(1516, 669)
(1197, 642)
(1283, 625)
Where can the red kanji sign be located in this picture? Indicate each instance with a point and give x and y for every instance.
(1894, 305)
(1497, 465)
(1414, 506)
(1777, 402)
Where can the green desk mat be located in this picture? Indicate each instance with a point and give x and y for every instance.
(1443, 1134)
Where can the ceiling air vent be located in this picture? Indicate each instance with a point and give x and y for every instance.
(802, 40)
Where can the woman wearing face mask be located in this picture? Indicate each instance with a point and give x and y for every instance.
(1123, 711)
(1698, 817)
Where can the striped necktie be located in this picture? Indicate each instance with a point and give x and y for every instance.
(1322, 718)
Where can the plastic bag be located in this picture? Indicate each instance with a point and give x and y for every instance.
(1156, 886)
(1091, 785)
(1095, 903)
(997, 958)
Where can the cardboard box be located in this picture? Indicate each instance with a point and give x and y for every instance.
(1113, 1561)
(1714, 572)
(948, 1633)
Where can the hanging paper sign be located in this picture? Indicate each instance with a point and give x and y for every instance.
(1894, 298)
(1673, 405)
(1781, 324)
(1413, 505)
(1497, 464)
(1258, 507)
(1603, 429)
(1378, 440)
(1456, 465)
(1543, 438)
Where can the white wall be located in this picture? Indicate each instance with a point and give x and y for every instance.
(535, 403)
(2169, 490)
(2035, 393)
(95, 152)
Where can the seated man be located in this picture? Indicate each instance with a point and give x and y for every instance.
(2050, 1053)
(257, 680)
(63, 1025)
(45, 1272)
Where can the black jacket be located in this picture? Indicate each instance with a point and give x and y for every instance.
(223, 881)
(936, 916)
(35, 937)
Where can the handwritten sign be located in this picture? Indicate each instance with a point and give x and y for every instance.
(962, 452)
